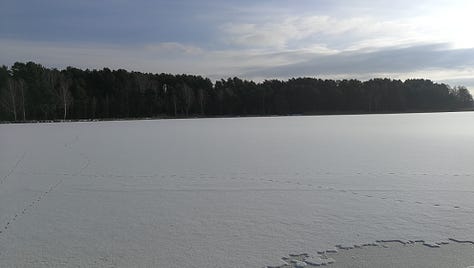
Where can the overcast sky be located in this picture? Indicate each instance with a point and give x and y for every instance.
(250, 39)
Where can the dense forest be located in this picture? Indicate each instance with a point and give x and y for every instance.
(29, 91)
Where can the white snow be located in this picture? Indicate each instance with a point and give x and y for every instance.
(237, 192)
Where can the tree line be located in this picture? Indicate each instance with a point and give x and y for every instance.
(29, 91)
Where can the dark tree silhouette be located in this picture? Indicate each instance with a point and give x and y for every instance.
(29, 91)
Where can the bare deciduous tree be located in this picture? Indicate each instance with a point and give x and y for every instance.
(64, 94)
(21, 85)
(11, 104)
(60, 87)
(202, 99)
(13, 98)
(188, 95)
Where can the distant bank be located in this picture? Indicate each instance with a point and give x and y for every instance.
(216, 117)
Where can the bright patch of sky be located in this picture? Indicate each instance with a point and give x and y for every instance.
(251, 39)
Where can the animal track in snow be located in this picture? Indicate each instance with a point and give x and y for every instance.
(10, 172)
(30, 206)
(234, 177)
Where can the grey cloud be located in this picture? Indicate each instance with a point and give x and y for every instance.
(387, 60)
(467, 82)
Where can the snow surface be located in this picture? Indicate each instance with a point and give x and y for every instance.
(241, 192)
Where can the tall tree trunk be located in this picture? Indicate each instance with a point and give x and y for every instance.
(22, 88)
(174, 102)
(202, 100)
(107, 106)
(188, 98)
(12, 86)
(64, 94)
(65, 106)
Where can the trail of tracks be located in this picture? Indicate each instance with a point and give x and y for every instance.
(10, 172)
(37, 200)
(359, 193)
(281, 179)
(29, 206)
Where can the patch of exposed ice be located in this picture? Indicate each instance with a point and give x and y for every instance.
(345, 247)
(316, 261)
(394, 241)
(298, 264)
(319, 261)
(431, 244)
(281, 264)
(462, 241)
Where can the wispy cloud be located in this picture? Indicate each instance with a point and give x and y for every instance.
(386, 60)
(284, 32)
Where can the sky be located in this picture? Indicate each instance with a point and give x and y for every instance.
(256, 40)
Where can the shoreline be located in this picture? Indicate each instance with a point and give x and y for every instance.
(227, 117)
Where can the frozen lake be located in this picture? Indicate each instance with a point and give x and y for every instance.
(240, 192)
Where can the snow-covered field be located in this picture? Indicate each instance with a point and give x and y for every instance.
(240, 192)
